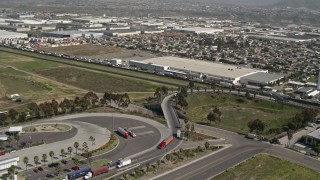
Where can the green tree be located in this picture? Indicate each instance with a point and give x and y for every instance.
(36, 160)
(207, 145)
(75, 161)
(44, 158)
(212, 117)
(92, 139)
(55, 106)
(70, 149)
(62, 152)
(12, 114)
(26, 161)
(84, 146)
(3, 118)
(76, 146)
(256, 125)
(9, 139)
(317, 149)
(11, 172)
(17, 138)
(58, 169)
(51, 154)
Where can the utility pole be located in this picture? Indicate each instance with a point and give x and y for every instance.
(112, 123)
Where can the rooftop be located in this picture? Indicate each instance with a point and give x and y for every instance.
(15, 129)
(263, 77)
(205, 67)
(315, 134)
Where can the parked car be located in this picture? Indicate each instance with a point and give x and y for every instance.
(35, 170)
(64, 161)
(49, 176)
(75, 168)
(40, 168)
(2, 153)
(55, 164)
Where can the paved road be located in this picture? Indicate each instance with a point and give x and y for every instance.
(149, 134)
(241, 149)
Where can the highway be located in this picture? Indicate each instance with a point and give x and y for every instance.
(241, 149)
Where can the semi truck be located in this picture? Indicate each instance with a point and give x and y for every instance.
(165, 142)
(123, 162)
(123, 132)
(77, 174)
(179, 134)
(94, 173)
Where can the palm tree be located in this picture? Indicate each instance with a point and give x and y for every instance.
(44, 158)
(17, 138)
(62, 152)
(51, 154)
(58, 169)
(36, 160)
(26, 161)
(76, 161)
(11, 172)
(84, 146)
(70, 150)
(92, 139)
(9, 140)
(76, 145)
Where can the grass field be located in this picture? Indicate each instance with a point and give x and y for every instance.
(85, 50)
(150, 77)
(98, 82)
(238, 111)
(85, 79)
(267, 167)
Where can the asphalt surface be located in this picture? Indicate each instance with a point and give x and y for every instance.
(147, 131)
(241, 149)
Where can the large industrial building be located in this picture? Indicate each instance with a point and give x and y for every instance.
(12, 35)
(72, 34)
(209, 71)
(198, 30)
(261, 78)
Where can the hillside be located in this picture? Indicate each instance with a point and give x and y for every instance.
(309, 4)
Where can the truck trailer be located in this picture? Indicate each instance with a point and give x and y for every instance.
(96, 172)
(124, 162)
(77, 174)
(165, 142)
(123, 132)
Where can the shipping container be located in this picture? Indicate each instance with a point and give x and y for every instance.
(79, 173)
(123, 132)
(165, 142)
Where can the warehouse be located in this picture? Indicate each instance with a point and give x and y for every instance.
(150, 67)
(261, 78)
(71, 34)
(212, 71)
(12, 35)
(121, 32)
(198, 30)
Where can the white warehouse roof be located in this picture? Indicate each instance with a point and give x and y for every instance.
(15, 129)
(204, 67)
(12, 35)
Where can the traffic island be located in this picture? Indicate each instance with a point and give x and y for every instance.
(47, 128)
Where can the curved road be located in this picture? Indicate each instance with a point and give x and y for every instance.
(241, 149)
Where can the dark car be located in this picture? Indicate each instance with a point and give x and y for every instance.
(35, 170)
(40, 168)
(112, 164)
(67, 170)
(64, 161)
(53, 165)
(75, 168)
(49, 176)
